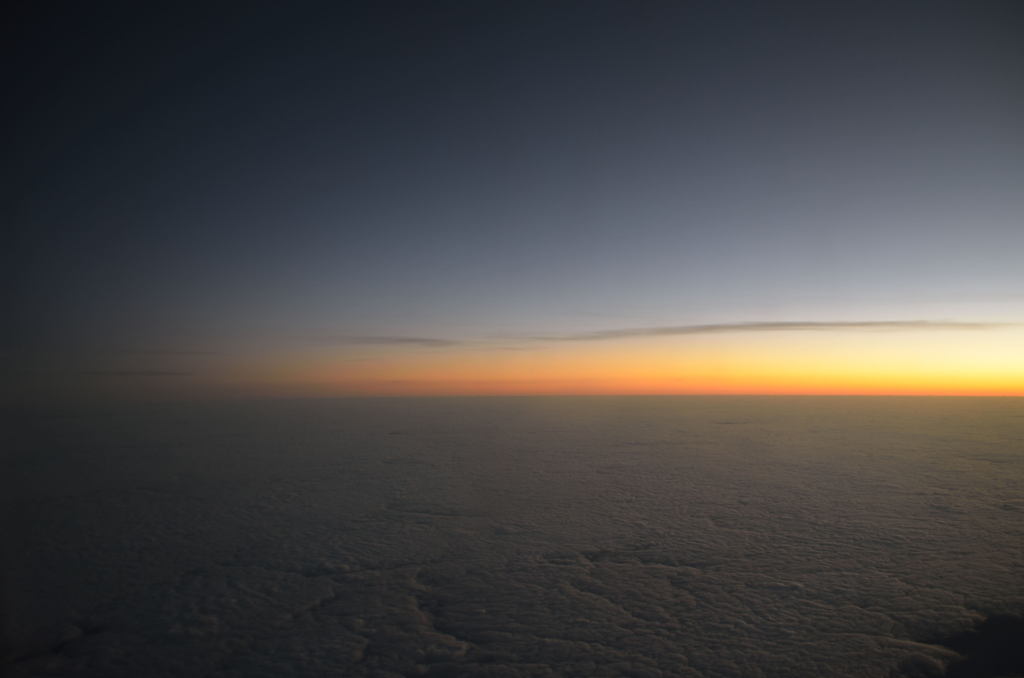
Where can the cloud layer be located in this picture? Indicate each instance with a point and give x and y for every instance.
(670, 538)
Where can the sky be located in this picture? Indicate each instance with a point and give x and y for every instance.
(435, 198)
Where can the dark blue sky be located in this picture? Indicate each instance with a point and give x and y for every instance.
(233, 179)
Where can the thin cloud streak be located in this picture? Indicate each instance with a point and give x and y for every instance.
(523, 343)
(164, 352)
(389, 340)
(137, 373)
(774, 326)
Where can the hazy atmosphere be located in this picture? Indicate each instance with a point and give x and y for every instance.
(512, 338)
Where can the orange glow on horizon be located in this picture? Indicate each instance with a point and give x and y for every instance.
(780, 364)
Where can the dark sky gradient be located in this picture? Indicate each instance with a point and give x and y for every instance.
(217, 180)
